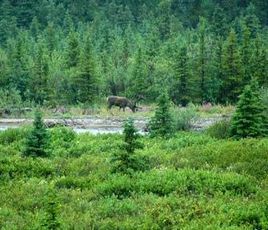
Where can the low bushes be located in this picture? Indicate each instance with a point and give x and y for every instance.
(248, 156)
(195, 182)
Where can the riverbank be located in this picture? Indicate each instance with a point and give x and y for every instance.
(96, 124)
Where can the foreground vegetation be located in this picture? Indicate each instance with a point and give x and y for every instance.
(193, 182)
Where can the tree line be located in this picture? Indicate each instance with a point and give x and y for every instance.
(67, 53)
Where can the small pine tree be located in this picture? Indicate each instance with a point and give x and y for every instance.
(37, 140)
(51, 220)
(130, 137)
(249, 119)
(126, 161)
(162, 123)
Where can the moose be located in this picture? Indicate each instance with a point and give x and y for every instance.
(121, 102)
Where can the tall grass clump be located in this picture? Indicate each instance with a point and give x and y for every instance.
(184, 117)
(219, 130)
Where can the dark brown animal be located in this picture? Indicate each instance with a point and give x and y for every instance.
(121, 102)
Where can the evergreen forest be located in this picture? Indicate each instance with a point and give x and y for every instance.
(78, 52)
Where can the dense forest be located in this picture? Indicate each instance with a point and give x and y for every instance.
(78, 52)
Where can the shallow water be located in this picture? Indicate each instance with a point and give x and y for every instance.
(79, 125)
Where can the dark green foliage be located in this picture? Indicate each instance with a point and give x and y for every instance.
(126, 161)
(249, 119)
(130, 137)
(37, 140)
(162, 123)
(50, 220)
(259, 62)
(39, 88)
(73, 51)
(220, 129)
(202, 59)
(138, 84)
(180, 91)
(85, 81)
(133, 45)
(232, 70)
(246, 54)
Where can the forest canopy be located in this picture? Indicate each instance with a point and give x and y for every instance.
(77, 52)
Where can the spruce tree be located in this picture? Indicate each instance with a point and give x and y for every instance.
(126, 161)
(180, 91)
(51, 37)
(39, 78)
(7, 21)
(37, 140)
(130, 137)
(249, 119)
(25, 11)
(202, 59)
(86, 81)
(73, 50)
(162, 124)
(246, 53)
(232, 70)
(138, 84)
(259, 62)
(219, 24)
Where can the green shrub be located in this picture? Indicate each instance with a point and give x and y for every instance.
(71, 182)
(197, 182)
(10, 98)
(219, 130)
(52, 210)
(17, 167)
(14, 136)
(62, 141)
(249, 156)
(96, 144)
(120, 186)
(184, 117)
(187, 182)
(254, 216)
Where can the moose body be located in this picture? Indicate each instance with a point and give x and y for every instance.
(121, 102)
